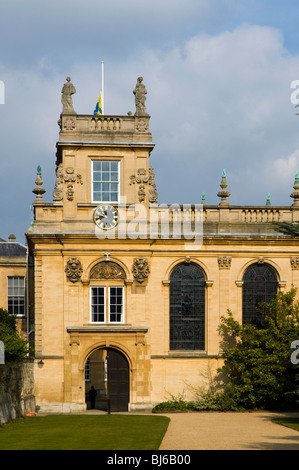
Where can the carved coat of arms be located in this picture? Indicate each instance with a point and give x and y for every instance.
(140, 270)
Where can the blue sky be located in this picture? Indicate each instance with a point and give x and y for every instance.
(218, 75)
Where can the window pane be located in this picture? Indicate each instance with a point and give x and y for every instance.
(116, 304)
(97, 166)
(105, 166)
(114, 166)
(97, 304)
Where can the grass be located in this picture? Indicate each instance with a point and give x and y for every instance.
(105, 432)
(288, 422)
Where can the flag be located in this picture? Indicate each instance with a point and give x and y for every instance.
(98, 108)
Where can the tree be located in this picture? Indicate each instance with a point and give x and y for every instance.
(16, 348)
(287, 228)
(257, 361)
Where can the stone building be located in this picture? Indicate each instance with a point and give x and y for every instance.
(13, 284)
(127, 295)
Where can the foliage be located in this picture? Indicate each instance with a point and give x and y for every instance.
(15, 347)
(287, 228)
(175, 403)
(258, 365)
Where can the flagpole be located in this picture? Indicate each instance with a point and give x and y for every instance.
(103, 87)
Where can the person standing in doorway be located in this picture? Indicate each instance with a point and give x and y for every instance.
(92, 395)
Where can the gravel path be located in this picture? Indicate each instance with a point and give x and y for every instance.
(229, 431)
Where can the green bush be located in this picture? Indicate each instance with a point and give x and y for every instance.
(16, 348)
(173, 404)
(257, 361)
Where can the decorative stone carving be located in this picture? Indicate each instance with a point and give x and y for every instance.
(107, 270)
(140, 270)
(70, 192)
(67, 176)
(73, 269)
(224, 262)
(69, 125)
(58, 189)
(295, 193)
(141, 193)
(67, 91)
(224, 194)
(294, 262)
(142, 126)
(140, 92)
(143, 178)
(261, 260)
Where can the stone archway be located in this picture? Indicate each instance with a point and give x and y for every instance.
(107, 370)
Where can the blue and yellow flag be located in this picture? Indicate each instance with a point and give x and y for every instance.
(98, 108)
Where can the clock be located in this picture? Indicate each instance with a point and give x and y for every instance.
(105, 216)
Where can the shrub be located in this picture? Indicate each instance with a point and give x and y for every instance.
(257, 363)
(16, 348)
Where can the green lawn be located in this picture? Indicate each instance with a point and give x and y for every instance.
(289, 422)
(73, 432)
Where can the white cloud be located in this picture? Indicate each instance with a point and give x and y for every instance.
(284, 168)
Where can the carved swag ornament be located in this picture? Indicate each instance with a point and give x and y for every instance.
(140, 270)
(73, 269)
(68, 176)
(143, 178)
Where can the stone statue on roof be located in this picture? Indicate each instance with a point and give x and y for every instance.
(140, 92)
(67, 101)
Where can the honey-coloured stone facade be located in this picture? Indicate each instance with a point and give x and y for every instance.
(74, 264)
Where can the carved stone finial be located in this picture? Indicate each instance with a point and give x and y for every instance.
(140, 270)
(67, 91)
(38, 190)
(140, 92)
(73, 269)
(223, 194)
(295, 194)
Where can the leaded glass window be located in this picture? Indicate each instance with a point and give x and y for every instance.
(260, 284)
(187, 308)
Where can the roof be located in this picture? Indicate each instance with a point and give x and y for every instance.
(12, 249)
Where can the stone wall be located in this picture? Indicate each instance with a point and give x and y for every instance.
(16, 390)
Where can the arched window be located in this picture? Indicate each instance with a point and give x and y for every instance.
(260, 284)
(187, 308)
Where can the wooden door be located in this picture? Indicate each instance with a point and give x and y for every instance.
(118, 380)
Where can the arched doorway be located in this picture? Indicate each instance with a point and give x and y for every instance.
(107, 370)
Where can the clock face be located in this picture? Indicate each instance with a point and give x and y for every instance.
(105, 216)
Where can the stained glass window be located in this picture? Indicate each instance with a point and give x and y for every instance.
(260, 285)
(187, 308)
